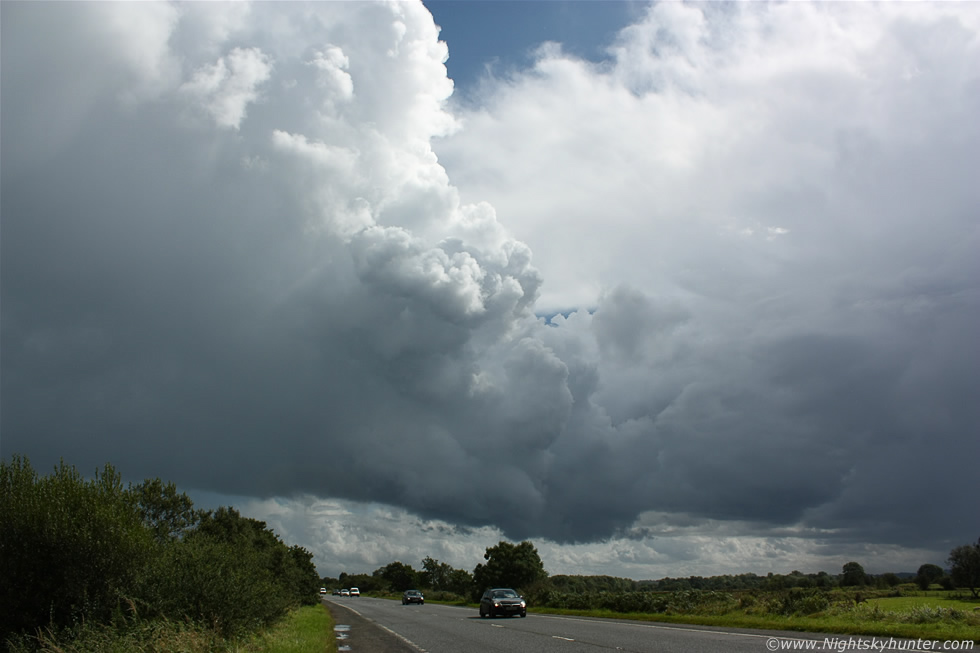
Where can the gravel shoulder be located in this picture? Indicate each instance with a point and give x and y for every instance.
(364, 635)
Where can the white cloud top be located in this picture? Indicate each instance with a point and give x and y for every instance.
(226, 88)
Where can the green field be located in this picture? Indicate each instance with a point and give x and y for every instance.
(951, 600)
(937, 615)
(940, 615)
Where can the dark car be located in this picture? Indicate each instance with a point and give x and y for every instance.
(413, 596)
(502, 601)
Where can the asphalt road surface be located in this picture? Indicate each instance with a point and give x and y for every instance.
(369, 625)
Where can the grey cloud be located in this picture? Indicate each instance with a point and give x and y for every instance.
(302, 306)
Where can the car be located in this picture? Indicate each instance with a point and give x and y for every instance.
(502, 601)
(345, 592)
(355, 592)
(336, 592)
(413, 596)
(323, 590)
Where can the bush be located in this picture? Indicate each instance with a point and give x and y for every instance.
(213, 583)
(230, 573)
(682, 602)
(804, 603)
(444, 596)
(927, 614)
(80, 558)
(70, 549)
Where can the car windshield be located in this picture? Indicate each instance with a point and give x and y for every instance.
(505, 594)
(412, 592)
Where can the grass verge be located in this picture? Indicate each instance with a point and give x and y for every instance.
(306, 630)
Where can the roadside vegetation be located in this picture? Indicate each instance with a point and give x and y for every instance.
(306, 630)
(930, 604)
(93, 565)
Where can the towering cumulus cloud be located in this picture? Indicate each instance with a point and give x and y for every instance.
(232, 259)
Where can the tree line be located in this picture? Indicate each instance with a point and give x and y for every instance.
(507, 565)
(77, 552)
(519, 566)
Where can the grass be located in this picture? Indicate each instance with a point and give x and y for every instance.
(935, 599)
(306, 630)
(929, 615)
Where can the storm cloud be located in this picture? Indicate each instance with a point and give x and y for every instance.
(261, 250)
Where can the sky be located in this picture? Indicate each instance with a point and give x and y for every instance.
(671, 289)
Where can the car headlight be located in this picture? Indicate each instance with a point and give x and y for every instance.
(523, 605)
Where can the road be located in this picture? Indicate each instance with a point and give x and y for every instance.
(447, 629)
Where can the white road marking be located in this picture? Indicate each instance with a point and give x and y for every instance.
(693, 630)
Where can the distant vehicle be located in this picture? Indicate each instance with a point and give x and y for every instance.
(336, 592)
(502, 601)
(355, 592)
(323, 590)
(345, 592)
(413, 596)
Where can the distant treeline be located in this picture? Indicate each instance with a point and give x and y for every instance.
(441, 577)
(76, 553)
(520, 567)
(506, 565)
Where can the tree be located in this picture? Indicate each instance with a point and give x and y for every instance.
(163, 510)
(964, 562)
(366, 582)
(509, 565)
(823, 580)
(302, 576)
(69, 547)
(230, 572)
(460, 582)
(927, 575)
(853, 574)
(78, 551)
(435, 574)
(399, 576)
(440, 576)
(890, 579)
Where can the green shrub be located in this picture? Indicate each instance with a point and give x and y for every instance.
(804, 602)
(445, 596)
(70, 549)
(928, 614)
(230, 573)
(85, 558)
